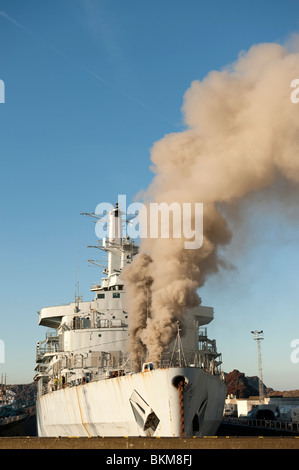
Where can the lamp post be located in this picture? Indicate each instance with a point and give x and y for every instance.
(258, 336)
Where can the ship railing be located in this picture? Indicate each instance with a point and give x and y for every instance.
(78, 372)
(81, 323)
(42, 352)
(11, 419)
(51, 335)
(47, 346)
(210, 366)
(273, 424)
(51, 382)
(208, 349)
(40, 356)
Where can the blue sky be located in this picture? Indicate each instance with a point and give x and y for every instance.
(89, 87)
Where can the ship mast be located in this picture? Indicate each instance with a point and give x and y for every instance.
(120, 250)
(180, 351)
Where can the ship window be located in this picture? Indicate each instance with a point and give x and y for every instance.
(101, 296)
(116, 295)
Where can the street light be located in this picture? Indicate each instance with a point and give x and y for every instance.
(258, 336)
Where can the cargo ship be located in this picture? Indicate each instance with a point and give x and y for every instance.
(87, 385)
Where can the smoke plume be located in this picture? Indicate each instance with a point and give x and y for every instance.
(242, 136)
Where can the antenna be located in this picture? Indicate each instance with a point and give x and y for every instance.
(77, 295)
(258, 336)
(146, 301)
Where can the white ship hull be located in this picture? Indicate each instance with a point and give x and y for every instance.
(141, 404)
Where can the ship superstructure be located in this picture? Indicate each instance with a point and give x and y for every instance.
(86, 382)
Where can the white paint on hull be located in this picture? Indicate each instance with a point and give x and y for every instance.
(103, 408)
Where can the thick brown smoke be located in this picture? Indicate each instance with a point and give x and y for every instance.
(242, 136)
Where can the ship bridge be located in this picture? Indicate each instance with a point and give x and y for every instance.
(202, 314)
(51, 317)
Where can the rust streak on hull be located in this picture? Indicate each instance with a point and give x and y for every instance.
(181, 401)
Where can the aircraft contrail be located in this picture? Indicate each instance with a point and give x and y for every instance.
(90, 72)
